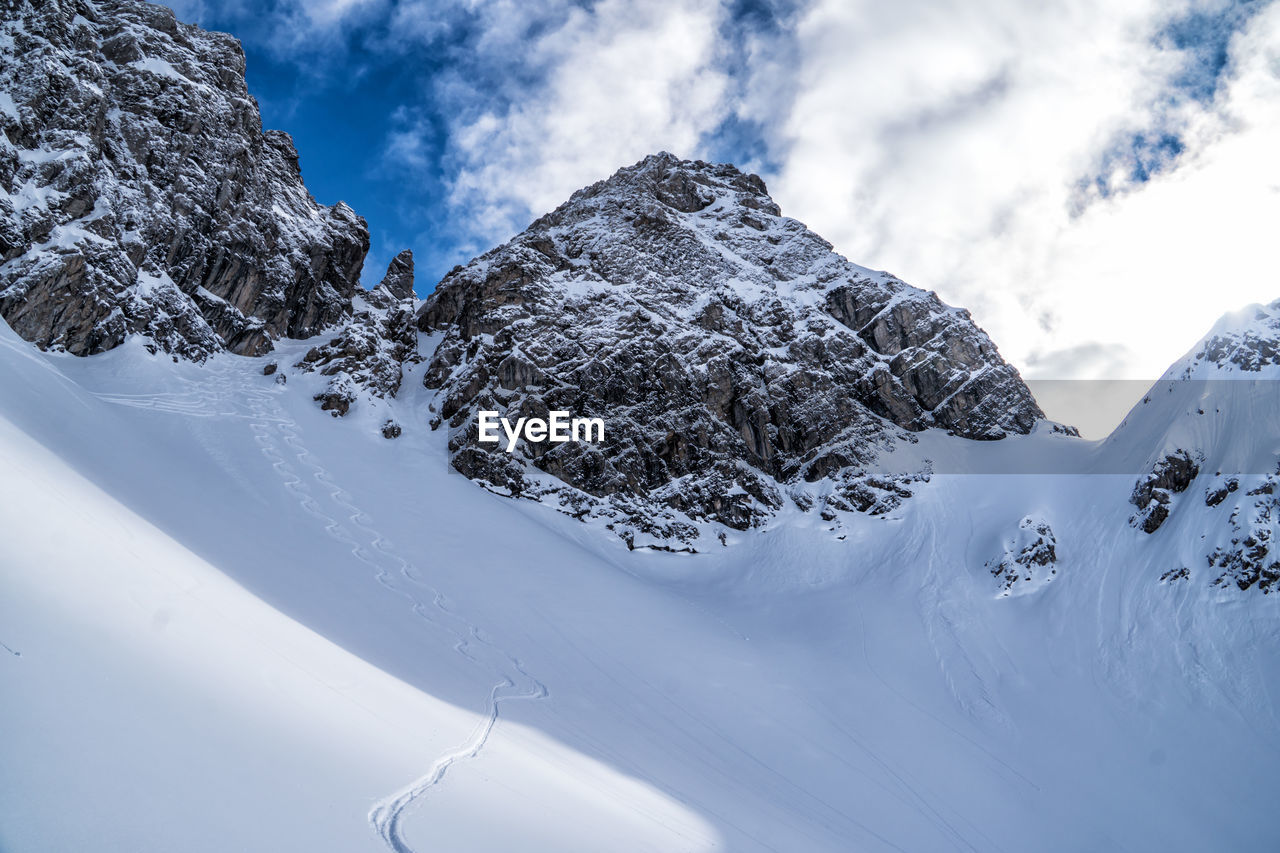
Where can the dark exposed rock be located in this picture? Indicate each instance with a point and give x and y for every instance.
(1153, 494)
(398, 281)
(1217, 493)
(391, 429)
(373, 347)
(1030, 558)
(731, 351)
(336, 399)
(139, 194)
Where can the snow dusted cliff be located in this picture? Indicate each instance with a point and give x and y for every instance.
(140, 195)
(735, 357)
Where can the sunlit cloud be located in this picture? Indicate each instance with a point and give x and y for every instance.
(949, 143)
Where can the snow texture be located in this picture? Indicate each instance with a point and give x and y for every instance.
(233, 622)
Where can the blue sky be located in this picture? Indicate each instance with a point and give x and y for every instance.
(371, 100)
(1028, 161)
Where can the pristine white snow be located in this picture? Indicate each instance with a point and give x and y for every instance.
(232, 622)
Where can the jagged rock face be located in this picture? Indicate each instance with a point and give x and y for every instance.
(372, 348)
(730, 350)
(139, 194)
(398, 281)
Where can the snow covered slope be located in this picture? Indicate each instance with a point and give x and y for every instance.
(234, 622)
(1207, 438)
(154, 704)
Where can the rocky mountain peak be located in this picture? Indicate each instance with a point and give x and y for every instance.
(373, 346)
(684, 185)
(734, 354)
(398, 282)
(140, 195)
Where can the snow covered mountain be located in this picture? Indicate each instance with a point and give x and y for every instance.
(736, 359)
(262, 588)
(1208, 440)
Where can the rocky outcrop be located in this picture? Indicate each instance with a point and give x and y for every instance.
(1153, 495)
(734, 355)
(1250, 559)
(1029, 560)
(377, 342)
(139, 193)
(1220, 490)
(398, 282)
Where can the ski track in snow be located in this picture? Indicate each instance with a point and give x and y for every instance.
(310, 483)
(278, 439)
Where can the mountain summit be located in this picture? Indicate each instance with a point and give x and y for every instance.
(734, 355)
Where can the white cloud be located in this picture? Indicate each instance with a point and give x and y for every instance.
(304, 30)
(587, 91)
(946, 141)
(1161, 264)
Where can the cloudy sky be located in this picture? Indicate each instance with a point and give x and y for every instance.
(1097, 180)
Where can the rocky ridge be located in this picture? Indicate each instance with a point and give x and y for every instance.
(736, 358)
(140, 195)
(1249, 343)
